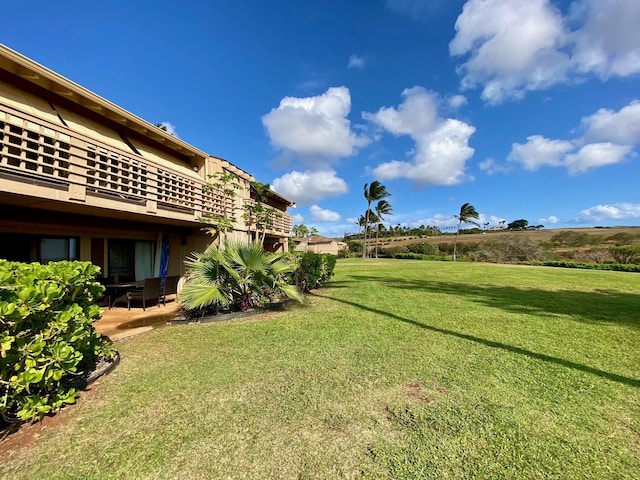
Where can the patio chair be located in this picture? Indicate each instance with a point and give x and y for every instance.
(149, 291)
(170, 287)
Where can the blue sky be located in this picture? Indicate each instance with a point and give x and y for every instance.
(524, 108)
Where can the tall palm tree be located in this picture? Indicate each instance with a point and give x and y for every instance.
(382, 208)
(468, 214)
(372, 193)
(361, 222)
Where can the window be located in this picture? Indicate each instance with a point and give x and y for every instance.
(34, 248)
(130, 260)
(55, 249)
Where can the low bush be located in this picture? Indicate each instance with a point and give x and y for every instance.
(576, 239)
(313, 270)
(626, 253)
(511, 249)
(420, 256)
(47, 340)
(618, 267)
(424, 248)
(463, 248)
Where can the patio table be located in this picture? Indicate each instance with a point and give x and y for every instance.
(116, 287)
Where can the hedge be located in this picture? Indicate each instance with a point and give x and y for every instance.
(618, 267)
(314, 270)
(47, 341)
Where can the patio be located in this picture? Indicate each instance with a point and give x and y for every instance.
(119, 322)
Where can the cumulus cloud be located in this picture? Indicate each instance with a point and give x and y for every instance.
(356, 61)
(169, 128)
(309, 187)
(321, 215)
(456, 101)
(615, 211)
(492, 167)
(539, 151)
(596, 155)
(608, 42)
(441, 145)
(297, 219)
(512, 46)
(609, 138)
(314, 129)
(622, 127)
(550, 220)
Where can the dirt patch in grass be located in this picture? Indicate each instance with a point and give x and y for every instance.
(26, 435)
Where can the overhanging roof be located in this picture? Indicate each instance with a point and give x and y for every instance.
(33, 72)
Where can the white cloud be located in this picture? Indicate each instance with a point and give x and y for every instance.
(321, 215)
(310, 187)
(356, 61)
(515, 46)
(315, 129)
(456, 101)
(539, 151)
(609, 139)
(609, 41)
(297, 219)
(622, 127)
(492, 167)
(615, 211)
(169, 128)
(441, 145)
(550, 220)
(596, 155)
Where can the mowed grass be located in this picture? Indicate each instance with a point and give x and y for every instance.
(399, 369)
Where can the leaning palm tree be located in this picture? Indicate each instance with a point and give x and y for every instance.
(382, 208)
(467, 214)
(372, 193)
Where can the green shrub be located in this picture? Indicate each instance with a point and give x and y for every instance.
(47, 340)
(392, 251)
(625, 253)
(423, 248)
(619, 267)
(419, 256)
(463, 248)
(624, 238)
(576, 239)
(314, 270)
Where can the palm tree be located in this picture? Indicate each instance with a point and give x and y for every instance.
(238, 274)
(361, 221)
(372, 193)
(467, 214)
(382, 208)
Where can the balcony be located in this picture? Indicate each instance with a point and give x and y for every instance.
(51, 162)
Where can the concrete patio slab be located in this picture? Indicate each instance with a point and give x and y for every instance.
(119, 322)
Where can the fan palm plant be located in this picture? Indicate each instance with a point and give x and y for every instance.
(467, 214)
(372, 193)
(239, 275)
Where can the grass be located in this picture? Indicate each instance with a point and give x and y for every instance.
(399, 369)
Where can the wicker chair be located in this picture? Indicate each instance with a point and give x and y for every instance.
(149, 291)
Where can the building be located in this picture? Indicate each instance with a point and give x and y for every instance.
(319, 244)
(81, 178)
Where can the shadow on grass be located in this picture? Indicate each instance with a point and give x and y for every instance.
(601, 306)
(491, 343)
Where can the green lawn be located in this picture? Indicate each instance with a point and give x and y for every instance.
(400, 369)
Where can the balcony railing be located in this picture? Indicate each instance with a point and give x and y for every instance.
(33, 149)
